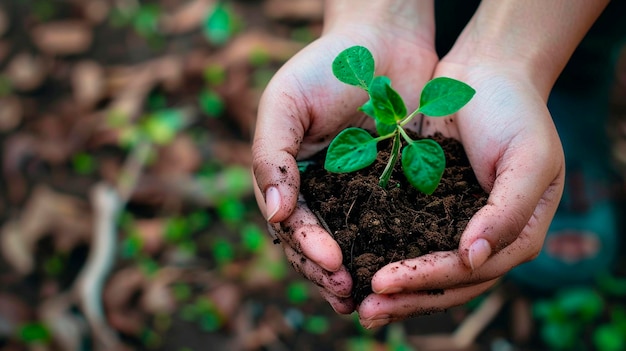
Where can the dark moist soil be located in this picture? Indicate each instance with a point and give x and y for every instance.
(376, 226)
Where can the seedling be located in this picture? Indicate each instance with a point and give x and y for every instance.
(423, 161)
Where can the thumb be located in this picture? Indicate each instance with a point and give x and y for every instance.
(278, 135)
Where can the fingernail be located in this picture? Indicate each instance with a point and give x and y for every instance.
(375, 323)
(479, 252)
(389, 290)
(272, 202)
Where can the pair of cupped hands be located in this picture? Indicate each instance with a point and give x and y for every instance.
(507, 133)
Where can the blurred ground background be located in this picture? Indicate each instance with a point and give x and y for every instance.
(128, 221)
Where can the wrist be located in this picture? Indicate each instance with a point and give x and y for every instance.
(533, 38)
(408, 20)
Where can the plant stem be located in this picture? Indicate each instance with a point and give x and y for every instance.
(408, 118)
(393, 159)
(406, 136)
(387, 136)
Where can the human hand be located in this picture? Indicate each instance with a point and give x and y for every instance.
(514, 149)
(304, 107)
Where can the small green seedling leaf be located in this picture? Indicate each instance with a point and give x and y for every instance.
(351, 150)
(252, 237)
(386, 103)
(584, 303)
(219, 26)
(608, 337)
(423, 163)
(34, 332)
(162, 126)
(303, 165)
(368, 109)
(210, 103)
(444, 96)
(385, 129)
(354, 66)
(298, 292)
(316, 325)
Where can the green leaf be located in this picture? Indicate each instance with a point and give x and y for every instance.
(303, 165)
(259, 56)
(231, 210)
(219, 26)
(385, 129)
(34, 332)
(214, 74)
(584, 304)
(54, 265)
(223, 251)
(131, 246)
(181, 291)
(381, 128)
(351, 150)
(210, 103)
(612, 285)
(560, 336)
(146, 20)
(252, 237)
(386, 103)
(231, 182)
(354, 66)
(162, 126)
(444, 96)
(368, 109)
(609, 338)
(198, 220)
(83, 163)
(6, 86)
(316, 325)
(298, 292)
(423, 163)
(148, 266)
(176, 230)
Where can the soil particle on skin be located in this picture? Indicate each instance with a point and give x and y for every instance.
(376, 226)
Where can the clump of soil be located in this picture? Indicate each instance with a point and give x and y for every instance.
(376, 226)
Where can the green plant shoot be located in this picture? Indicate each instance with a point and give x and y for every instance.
(423, 161)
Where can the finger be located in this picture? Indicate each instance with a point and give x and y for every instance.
(278, 134)
(338, 283)
(379, 310)
(341, 305)
(439, 270)
(445, 270)
(302, 231)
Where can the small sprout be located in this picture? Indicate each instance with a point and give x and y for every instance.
(298, 292)
(253, 238)
(423, 161)
(34, 333)
(316, 325)
(162, 126)
(83, 163)
(181, 291)
(220, 24)
(223, 251)
(131, 246)
(214, 74)
(211, 103)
